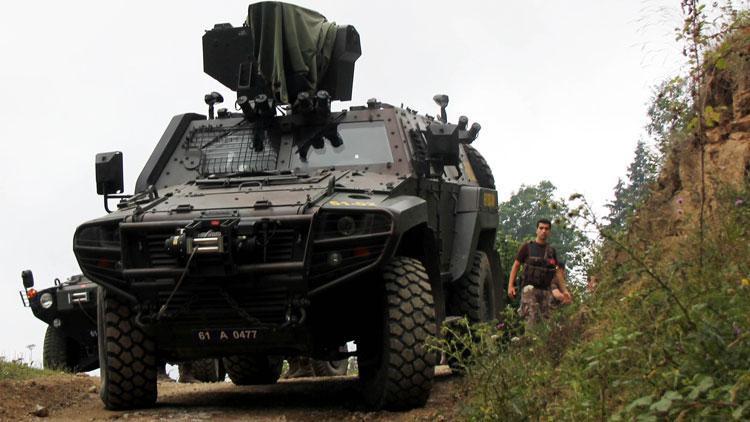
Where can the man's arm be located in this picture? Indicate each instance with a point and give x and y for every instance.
(512, 279)
(560, 274)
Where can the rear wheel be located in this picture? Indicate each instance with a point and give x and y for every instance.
(396, 368)
(330, 368)
(482, 170)
(471, 298)
(208, 370)
(471, 295)
(58, 353)
(253, 369)
(127, 355)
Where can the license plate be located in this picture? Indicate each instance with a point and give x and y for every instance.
(224, 335)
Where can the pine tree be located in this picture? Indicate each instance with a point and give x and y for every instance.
(641, 173)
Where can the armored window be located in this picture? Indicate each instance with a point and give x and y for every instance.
(363, 144)
(233, 150)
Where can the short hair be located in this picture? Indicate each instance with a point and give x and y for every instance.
(544, 221)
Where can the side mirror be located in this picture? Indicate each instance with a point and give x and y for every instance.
(28, 278)
(109, 173)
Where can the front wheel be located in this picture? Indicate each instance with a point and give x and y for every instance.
(396, 368)
(127, 355)
(57, 351)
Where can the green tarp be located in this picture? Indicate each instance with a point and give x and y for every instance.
(293, 46)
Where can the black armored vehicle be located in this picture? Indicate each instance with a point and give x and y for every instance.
(69, 310)
(70, 340)
(284, 228)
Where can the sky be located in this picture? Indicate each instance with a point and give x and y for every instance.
(559, 87)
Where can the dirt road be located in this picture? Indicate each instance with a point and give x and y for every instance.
(305, 399)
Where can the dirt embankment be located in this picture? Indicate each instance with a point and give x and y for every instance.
(697, 169)
(306, 399)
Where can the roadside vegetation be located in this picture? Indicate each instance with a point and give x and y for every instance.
(666, 334)
(17, 370)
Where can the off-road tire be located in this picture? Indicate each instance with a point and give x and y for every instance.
(397, 369)
(330, 368)
(253, 369)
(299, 367)
(127, 356)
(208, 370)
(471, 295)
(56, 353)
(482, 170)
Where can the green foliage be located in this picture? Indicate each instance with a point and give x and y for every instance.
(628, 196)
(668, 113)
(20, 371)
(518, 217)
(672, 343)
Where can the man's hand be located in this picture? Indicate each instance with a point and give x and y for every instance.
(567, 298)
(512, 279)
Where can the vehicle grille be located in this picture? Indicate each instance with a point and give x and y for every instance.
(158, 255)
(209, 307)
(355, 256)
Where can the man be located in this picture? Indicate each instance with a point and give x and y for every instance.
(541, 266)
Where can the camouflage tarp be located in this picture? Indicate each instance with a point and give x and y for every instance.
(293, 46)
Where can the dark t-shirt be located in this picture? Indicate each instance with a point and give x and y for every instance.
(523, 254)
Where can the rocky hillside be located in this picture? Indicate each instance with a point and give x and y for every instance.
(666, 335)
(724, 160)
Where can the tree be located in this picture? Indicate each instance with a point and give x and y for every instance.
(628, 196)
(668, 113)
(518, 217)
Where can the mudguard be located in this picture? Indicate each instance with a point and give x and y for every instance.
(476, 211)
(408, 211)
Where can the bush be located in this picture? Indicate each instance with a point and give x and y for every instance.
(673, 342)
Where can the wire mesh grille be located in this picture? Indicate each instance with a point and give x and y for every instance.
(226, 150)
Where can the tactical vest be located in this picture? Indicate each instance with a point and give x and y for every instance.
(537, 270)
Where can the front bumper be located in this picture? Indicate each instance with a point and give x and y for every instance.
(261, 277)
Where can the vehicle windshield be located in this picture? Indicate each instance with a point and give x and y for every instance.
(223, 151)
(234, 150)
(364, 143)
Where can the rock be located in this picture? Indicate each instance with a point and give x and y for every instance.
(40, 411)
(741, 125)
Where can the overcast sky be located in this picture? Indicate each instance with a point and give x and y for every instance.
(559, 87)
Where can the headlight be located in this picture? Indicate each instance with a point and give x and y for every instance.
(346, 226)
(98, 235)
(341, 225)
(46, 300)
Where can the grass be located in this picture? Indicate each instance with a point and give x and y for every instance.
(21, 371)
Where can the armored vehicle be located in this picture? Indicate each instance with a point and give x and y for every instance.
(287, 229)
(69, 310)
(70, 340)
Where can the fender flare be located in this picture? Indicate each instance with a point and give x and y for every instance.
(472, 217)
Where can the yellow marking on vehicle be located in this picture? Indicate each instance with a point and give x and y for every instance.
(490, 199)
(336, 203)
